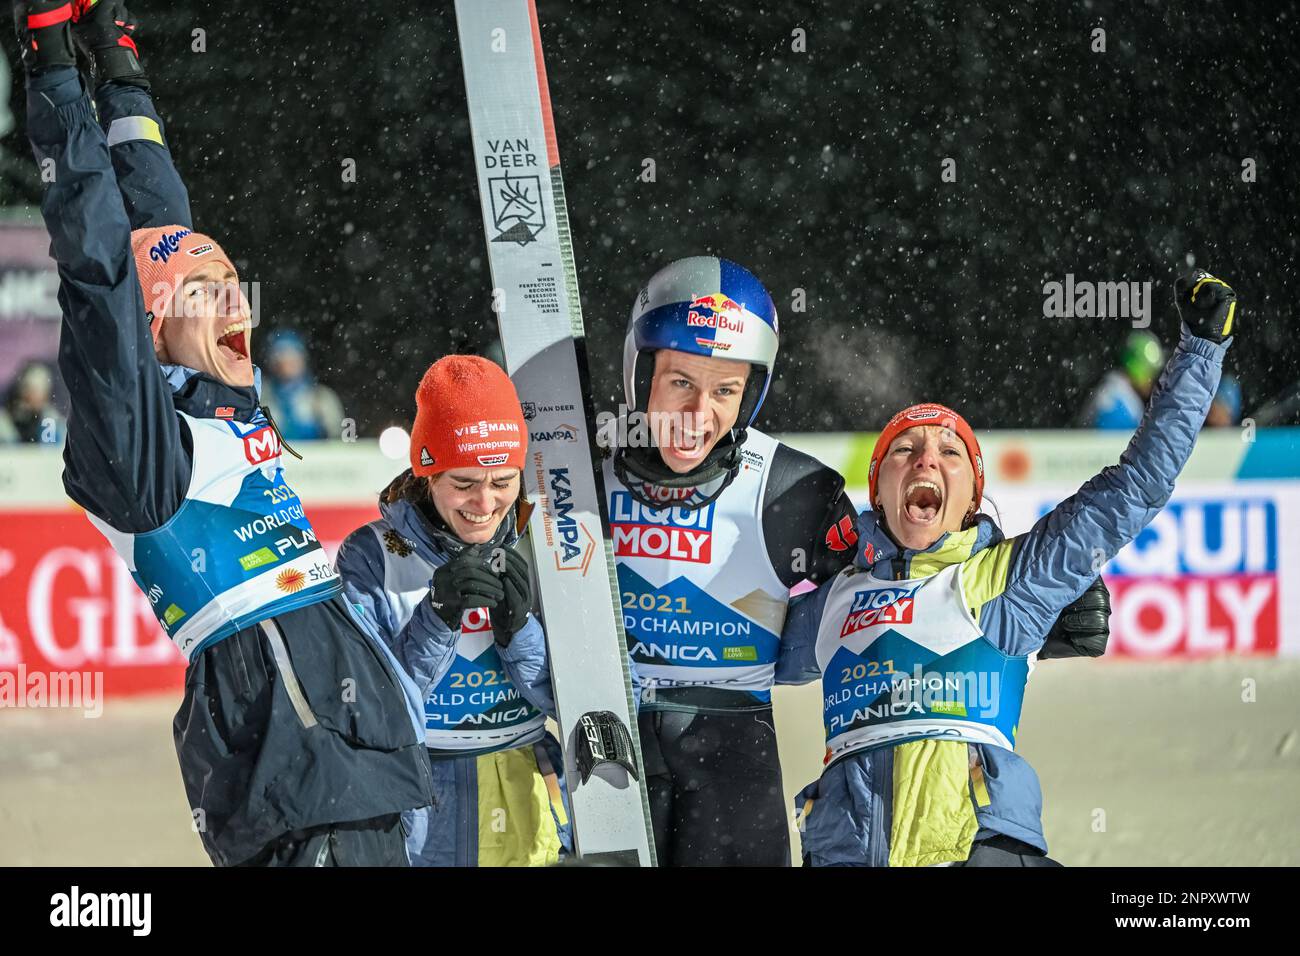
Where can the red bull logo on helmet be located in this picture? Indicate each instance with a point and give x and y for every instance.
(716, 311)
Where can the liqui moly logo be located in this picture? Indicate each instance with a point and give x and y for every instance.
(880, 606)
(1201, 579)
(716, 311)
(673, 533)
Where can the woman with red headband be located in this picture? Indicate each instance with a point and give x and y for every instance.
(923, 646)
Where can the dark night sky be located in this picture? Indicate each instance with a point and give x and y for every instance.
(817, 170)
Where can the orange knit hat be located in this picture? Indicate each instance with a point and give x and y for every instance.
(467, 416)
(164, 256)
(928, 414)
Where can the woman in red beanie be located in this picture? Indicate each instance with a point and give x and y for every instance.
(923, 645)
(440, 577)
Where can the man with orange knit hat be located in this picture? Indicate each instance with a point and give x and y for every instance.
(439, 576)
(174, 461)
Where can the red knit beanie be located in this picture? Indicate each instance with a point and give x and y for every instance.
(164, 256)
(467, 416)
(928, 414)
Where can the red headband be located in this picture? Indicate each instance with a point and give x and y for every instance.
(928, 414)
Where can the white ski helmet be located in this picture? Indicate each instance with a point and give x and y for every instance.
(706, 306)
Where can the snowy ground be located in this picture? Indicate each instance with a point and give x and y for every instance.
(1185, 771)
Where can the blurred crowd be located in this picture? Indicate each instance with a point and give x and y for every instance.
(306, 409)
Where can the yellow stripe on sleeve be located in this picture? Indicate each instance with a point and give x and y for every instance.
(128, 128)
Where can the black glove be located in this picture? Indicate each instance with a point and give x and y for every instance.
(512, 613)
(1207, 304)
(44, 36)
(105, 32)
(463, 582)
(1082, 629)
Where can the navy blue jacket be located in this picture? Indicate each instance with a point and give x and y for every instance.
(127, 458)
(258, 762)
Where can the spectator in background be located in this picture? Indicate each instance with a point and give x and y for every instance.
(302, 407)
(28, 414)
(1121, 398)
(1225, 410)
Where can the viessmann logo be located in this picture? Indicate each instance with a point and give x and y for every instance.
(880, 606)
(672, 533)
(484, 429)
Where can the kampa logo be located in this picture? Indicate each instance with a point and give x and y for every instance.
(672, 652)
(880, 606)
(572, 543)
(674, 533)
(562, 433)
(483, 429)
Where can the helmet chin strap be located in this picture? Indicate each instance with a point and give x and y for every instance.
(638, 467)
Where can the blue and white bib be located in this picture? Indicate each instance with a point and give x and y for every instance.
(701, 603)
(905, 660)
(238, 550)
(475, 706)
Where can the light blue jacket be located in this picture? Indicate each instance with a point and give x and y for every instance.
(1015, 588)
(425, 647)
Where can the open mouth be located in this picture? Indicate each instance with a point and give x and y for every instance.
(689, 443)
(922, 502)
(233, 342)
(474, 517)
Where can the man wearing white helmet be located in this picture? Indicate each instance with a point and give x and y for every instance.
(713, 523)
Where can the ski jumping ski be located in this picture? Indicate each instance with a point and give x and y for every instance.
(535, 296)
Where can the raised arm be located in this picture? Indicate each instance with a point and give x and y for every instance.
(1040, 572)
(124, 458)
(152, 191)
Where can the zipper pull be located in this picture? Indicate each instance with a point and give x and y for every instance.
(276, 428)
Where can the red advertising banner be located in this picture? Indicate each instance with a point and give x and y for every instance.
(68, 603)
